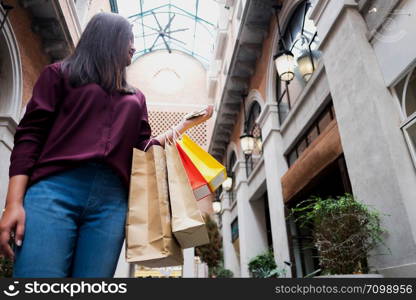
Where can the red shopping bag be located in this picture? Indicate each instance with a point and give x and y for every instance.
(199, 185)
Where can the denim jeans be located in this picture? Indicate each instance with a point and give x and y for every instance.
(75, 224)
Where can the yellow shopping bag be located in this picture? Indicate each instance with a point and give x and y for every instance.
(212, 171)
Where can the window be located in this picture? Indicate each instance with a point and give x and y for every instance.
(231, 163)
(255, 130)
(234, 230)
(312, 132)
(406, 92)
(300, 36)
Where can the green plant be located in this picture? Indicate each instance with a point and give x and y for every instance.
(344, 231)
(221, 272)
(264, 266)
(211, 253)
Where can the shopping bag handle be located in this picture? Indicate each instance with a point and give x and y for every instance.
(168, 139)
(178, 134)
(147, 145)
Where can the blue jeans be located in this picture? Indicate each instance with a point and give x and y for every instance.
(75, 222)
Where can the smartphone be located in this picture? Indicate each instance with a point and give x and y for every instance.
(195, 114)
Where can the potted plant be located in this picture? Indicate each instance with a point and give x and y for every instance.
(221, 272)
(344, 232)
(264, 266)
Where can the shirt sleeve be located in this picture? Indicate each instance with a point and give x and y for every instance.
(145, 135)
(32, 130)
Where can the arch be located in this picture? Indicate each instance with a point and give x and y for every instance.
(254, 112)
(274, 86)
(232, 148)
(404, 95)
(11, 83)
(253, 96)
(288, 9)
(287, 13)
(231, 162)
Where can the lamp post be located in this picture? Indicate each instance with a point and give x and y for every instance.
(307, 59)
(247, 143)
(285, 65)
(216, 207)
(246, 139)
(306, 66)
(227, 184)
(284, 59)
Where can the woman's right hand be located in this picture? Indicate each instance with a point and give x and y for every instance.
(12, 220)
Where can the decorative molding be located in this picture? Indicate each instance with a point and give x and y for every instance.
(72, 26)
(220, 43)
(255, 95)
(7, 129)
(267, 109)
(14, 108)
(256, 172)
(347, 4)
(286, 13)
(318, 10)
(239, 168)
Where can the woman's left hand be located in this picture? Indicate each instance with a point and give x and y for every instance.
(198, 120)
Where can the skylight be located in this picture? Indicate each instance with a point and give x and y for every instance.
(185, 25)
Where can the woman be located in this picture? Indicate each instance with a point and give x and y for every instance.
(71, 162)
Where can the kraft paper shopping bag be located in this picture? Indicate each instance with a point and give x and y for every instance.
(188, 225)
(149, 238)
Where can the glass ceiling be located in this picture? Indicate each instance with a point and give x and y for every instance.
(185, 25)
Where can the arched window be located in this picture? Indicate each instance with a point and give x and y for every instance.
(406, 92)
(300, 37)
(230, 166)
(255, 130)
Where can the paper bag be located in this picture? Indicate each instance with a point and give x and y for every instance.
(198, 183)
(212, 170)
(188, 226)
(149, 239)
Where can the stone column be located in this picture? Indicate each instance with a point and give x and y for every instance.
(123, 269)
(275, 167)
(188, 268)
(230, 257)
(380, 168)
(250, 224)
(7, 129)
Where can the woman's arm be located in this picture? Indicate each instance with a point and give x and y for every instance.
(13, 218)
(29, 139)
(184, 125)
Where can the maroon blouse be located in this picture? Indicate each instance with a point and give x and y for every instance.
(64, 126)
